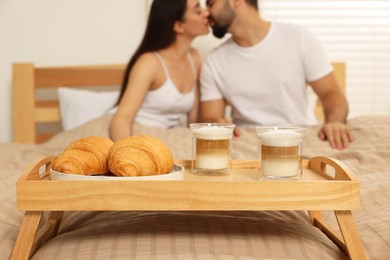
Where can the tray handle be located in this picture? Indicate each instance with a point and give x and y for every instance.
(38, 170)
(331, 168)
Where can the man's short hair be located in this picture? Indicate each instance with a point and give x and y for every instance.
(253, 3)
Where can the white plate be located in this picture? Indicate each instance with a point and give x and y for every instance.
(176, 174)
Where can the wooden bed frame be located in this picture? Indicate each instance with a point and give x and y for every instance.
(29, 112)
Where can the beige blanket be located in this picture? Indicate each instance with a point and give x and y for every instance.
(209, 235)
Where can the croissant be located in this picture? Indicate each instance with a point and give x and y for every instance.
(140, 156)
(85, 156)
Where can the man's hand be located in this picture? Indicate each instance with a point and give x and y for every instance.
(337, 134)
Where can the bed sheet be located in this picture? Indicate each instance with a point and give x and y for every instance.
(209, 235)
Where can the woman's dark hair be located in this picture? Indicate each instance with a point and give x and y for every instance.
(159, 32)
(253, 3)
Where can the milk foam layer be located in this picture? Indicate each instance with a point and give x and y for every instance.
(213, 133)
(281, 138)
(212, 161)
(280, 167)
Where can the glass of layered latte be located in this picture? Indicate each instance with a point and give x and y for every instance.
(211, 148)
(280, 152)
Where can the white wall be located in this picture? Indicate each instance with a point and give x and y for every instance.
(56, 32)
(72, 32)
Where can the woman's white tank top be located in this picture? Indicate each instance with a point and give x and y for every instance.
(164, 107)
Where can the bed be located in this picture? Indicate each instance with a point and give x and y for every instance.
(183, 234)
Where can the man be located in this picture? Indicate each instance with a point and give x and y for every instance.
(263, 70)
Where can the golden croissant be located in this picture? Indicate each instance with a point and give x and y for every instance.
(140, 156)
(85, 156)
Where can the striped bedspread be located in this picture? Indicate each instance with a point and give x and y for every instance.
(209, 235)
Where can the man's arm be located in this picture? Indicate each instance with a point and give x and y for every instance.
(212, 110)
(335, 107)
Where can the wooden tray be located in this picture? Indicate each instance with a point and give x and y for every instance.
(327, 184)
(238, 191)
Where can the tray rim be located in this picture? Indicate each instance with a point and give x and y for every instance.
(36, 193)
(317, 164)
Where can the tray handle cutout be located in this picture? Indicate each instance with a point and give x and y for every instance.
(38, 170)
(331, 168)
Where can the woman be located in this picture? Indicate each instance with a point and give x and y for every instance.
(161, 79)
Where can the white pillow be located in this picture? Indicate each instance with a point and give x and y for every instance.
(79, 106)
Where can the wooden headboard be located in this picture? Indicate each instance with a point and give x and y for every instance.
(29, 112)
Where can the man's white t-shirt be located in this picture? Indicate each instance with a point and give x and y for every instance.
(266, 84)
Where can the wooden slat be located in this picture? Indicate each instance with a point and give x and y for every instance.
(23, 98)
(79, 76)
(47, 103)
(47, 115)
(41, 138)
(47, 111)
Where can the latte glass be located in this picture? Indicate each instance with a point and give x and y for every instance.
(211, 148)
(280, 152)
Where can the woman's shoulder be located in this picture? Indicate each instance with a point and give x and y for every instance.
(147, 64)
(148, 58)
